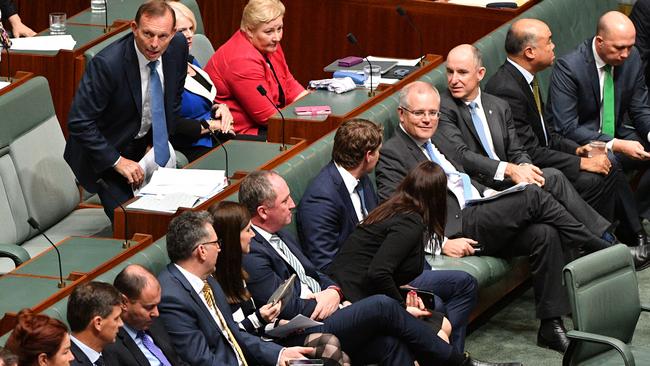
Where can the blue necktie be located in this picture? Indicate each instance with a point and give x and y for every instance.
(467, 182)
(158, 121)
(147, 341)
(362, 198)
(478, 125)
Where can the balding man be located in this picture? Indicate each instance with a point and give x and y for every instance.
(529, 47)
(143, 339)
(598, 92)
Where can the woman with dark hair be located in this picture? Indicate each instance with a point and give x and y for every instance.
(232, 223)
(39, 340)
(386, 251)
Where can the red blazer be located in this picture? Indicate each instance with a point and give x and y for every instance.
(236, 69)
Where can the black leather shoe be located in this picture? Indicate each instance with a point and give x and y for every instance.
(640, 257)
(469, 361)
(552, 334)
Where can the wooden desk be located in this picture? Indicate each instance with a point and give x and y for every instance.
(244, 157)
(19, 78)
(59, 66)
(34, 284)
(344, 106)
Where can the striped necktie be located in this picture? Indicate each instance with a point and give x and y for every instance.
(295, 264)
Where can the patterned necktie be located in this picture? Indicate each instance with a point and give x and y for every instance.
(608, 102)
(208, 295)
(295, 264)
(359, 190)
(99, 361)
(467, 182)
(478, 125)
(538, 103)
(158, 121)
(5, 41)
(149, 344)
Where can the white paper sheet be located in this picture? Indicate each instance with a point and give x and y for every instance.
(148, 164)
(400, 61)
(43, 43)
(164, 203)
(3, 84)
(195, 182)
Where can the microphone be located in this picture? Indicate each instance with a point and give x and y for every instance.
(404, 14)
(206, 125)
(34, 224)
(106, 16)
(262, 92)
(104, 186)
(353, 40)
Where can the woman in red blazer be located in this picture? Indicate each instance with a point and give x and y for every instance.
(251, 57)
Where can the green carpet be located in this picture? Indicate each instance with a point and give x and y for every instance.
(511, 334)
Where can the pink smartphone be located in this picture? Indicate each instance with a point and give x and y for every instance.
(313, 110)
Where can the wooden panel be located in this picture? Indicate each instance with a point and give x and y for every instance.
(35, 14)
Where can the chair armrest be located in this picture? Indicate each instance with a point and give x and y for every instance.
(14, 252)
(621, 347)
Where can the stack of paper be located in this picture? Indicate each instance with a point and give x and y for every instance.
(171, 188)
(43, 43)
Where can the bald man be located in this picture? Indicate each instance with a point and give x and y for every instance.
(598, 92)
(530, 49)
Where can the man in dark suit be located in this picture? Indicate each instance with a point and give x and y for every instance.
(127, 101)
(476, 129)
(94, 317)
(530, 50)
(640, 16)
(376, 329)
(527, 222)
(194, 308)
(143, 339)
(598, 93)
(331, 208)
(341, 195)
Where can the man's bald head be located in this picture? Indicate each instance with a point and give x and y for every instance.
(614, 37)
(529, 43)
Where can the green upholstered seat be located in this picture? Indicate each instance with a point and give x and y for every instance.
(202, 49)
(35, 181)
(604, 296)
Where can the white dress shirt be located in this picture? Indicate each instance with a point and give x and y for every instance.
(351, 184)
(153, 360)
(92, 355)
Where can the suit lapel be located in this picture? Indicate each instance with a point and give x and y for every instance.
(591, 70)
(132, 70)
(413, 148)
(495, 128)
(132, 347)
(80, 358)
(193, 295)
(466, 117)
(343, 193)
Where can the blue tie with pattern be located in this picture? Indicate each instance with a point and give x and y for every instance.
(147, 341)
(467, 182)
(158, 121)
(478, 125)
(362, 199)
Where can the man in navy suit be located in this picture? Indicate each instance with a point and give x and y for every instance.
(376, 329)
(143, 339)
(194, 308)
(128, 99)
(598, 92)
(331, 208)
(93, 314)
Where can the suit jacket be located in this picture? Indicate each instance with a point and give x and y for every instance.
(125, 352)
(509, 84)
(640, 16)
(326, 216)
(457, 138)
(106, 111)
(7, 9)
(80, 358)
(267, 271)
(574, 96)
(397, 157)
(194, 332)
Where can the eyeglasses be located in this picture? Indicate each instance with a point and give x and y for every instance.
(420, 113)
(218, 243)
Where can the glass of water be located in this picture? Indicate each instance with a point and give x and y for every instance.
(57, 23)
(376, 75)
(97, 6)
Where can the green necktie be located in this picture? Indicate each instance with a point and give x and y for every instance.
(608, 102)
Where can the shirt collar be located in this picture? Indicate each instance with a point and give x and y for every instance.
(476, 100)
(348, 179)
(599, 61)
(195, 281)
(265, 234)
(89, 352)
(417, 141)
(130, 331)
(527, 75)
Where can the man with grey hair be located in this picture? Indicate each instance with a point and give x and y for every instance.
(526, 222)
(376, 329)
(194, 308)
(143, 339)
(598, 93)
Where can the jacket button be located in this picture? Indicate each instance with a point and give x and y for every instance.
(457, 216)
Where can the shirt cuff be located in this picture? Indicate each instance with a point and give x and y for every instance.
(117, 161)
(610, 143)
(501, 171)
(280, 357)
(648, 136)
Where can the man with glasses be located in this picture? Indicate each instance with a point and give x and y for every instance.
(194, 308)
(526, 222)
